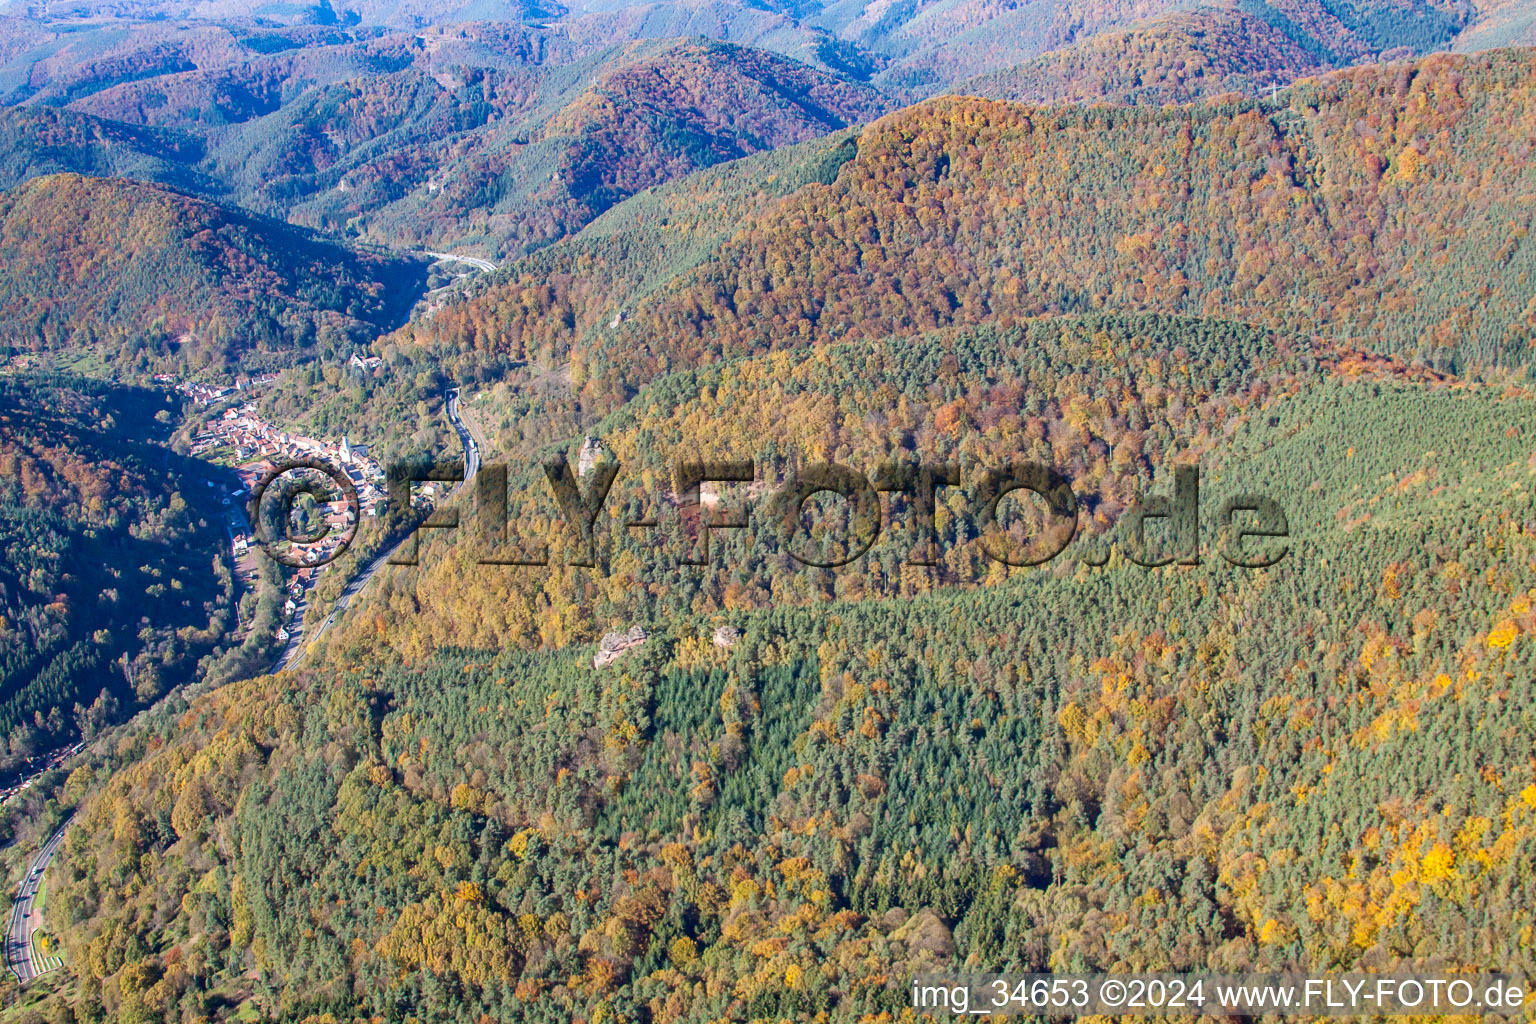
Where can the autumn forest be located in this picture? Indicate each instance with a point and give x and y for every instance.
(632, 748)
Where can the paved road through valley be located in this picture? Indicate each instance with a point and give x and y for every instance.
(22, 956)
(474, 261)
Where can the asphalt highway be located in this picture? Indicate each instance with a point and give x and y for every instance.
(474, 261)
(21, 953)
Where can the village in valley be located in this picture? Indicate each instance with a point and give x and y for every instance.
(255, 450)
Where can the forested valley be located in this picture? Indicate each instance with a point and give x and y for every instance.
(1326, 762)
(608, 772)
(133, 279)
(116, 577)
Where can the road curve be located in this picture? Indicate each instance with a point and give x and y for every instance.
(299, 645)
(474, 261)
(21, 954)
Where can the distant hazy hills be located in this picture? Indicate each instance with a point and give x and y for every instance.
(500, 128)
(456, 137)
(511, 158)
(908, 49)
(1249, 48)
(147, 278)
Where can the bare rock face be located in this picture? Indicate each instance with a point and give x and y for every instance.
(614, 645)
(726, 637)
(591, 453)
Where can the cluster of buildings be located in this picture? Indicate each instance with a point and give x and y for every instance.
(251, 441)
(207, 394)
(36, 766)
(293, 604)
(257, 450)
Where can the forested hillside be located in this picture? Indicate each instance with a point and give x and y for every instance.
(1178, 58)
(929, 46)
(1088, 396)
(39, 141)
(116, 575)
(1499, 23)
(1342, 210)
(144, 278)
(505, 160)
(1061, 768)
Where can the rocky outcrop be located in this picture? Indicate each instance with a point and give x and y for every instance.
(614, 645)
(592, 452)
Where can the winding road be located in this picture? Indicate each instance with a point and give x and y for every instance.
(21, 953)
(474, 261)
(300, 644)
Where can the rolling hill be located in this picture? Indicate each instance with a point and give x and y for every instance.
(1177, 58)
(146, 278)
(39, 141)
(1312, 214)
(507, 160)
